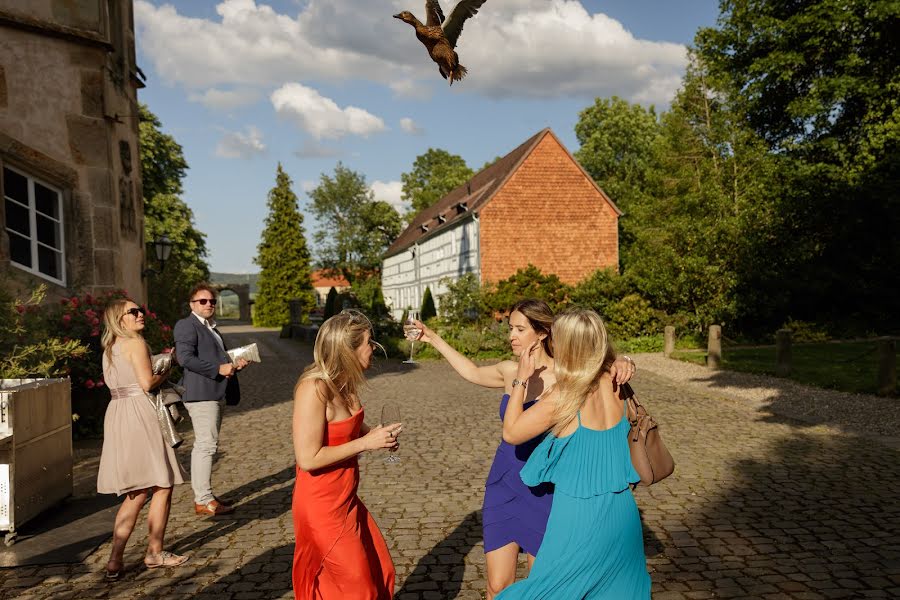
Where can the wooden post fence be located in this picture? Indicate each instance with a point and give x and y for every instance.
(783, 356)
(669, 346)
(714, 347)
(887, 366)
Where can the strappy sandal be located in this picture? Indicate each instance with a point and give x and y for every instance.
(113, 574)
(164, 559)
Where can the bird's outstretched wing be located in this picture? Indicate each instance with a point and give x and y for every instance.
(434, 16)
(454, 24)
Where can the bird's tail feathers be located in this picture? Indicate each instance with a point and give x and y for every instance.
(458, 73)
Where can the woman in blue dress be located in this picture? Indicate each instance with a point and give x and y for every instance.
(593, 545)
(514, 515)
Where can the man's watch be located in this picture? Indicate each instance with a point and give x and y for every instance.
(522, 382)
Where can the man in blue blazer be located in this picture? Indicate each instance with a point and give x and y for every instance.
(209, 378)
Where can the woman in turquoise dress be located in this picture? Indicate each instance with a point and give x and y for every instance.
(593, 546)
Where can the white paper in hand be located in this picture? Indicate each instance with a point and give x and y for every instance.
(250, 353)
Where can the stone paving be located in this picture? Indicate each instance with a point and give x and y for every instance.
(758, 507)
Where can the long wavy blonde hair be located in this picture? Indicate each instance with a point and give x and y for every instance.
(582, 354)
(334, 355)
(112, 325)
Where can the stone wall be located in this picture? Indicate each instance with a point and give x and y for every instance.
(68, 118)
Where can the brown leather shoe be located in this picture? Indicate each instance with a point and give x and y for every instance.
(214, 508)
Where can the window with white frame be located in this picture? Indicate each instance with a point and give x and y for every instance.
(34, 225)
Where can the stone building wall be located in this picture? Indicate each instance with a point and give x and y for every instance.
(68, 124)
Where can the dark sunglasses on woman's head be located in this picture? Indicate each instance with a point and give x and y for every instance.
(203, 301)
(134, 312)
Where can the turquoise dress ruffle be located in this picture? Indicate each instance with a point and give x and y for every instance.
(593, 546)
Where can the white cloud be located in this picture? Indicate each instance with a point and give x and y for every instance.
(512, 48)
(321, 117)
(225, 99)
(235, 144)
(410, 127)
(391, 192)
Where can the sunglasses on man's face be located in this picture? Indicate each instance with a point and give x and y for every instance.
(134, 312)
(204, 301)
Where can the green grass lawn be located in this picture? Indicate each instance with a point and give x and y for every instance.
(845, 366)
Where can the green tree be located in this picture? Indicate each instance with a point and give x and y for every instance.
(428, 310)
(330, 301)
(617, 140)
(820, 82)
(283, 259)
(529, 282)
(464, 301)
(698, 233)
(367, 291)
(434, 174)
(165, 213)
(354, 228)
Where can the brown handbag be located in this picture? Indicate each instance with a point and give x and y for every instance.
(649, 455)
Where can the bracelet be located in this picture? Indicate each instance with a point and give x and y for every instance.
(522, 382)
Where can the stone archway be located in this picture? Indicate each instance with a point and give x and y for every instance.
(243, 293)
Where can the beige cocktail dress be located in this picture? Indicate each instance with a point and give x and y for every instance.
(135, 455)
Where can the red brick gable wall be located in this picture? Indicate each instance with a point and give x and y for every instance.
(549, 214)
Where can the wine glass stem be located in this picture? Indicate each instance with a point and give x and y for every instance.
(412, 345)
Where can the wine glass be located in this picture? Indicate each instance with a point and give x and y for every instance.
(390, 414)
(412, 333)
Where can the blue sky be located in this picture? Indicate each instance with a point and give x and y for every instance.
(244, 84)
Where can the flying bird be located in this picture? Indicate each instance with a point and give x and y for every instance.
(439, 35)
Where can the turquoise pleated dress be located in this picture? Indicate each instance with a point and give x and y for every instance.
(593, 546)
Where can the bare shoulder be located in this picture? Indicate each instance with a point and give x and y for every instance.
(132, 344)
(507, 368)
(312, 389)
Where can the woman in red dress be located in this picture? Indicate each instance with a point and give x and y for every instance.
(339, 552)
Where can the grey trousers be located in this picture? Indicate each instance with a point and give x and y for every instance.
(206, 417)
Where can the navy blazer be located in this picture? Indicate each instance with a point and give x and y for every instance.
(200, 355)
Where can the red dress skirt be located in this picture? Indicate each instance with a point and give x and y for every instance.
(339, 552)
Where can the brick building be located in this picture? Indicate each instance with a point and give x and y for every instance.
(71, 214)
(535, 205)
(322, 283)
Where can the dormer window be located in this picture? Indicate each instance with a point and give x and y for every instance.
(424, 227)
(461, 208)
(442, 218)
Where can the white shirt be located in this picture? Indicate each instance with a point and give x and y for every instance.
(209, 324)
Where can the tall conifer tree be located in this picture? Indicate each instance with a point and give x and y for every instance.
(283, 259)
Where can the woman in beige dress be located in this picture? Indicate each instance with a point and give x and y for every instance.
(136, 461)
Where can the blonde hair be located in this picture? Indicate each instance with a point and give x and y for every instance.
(112, 325)
(583, 354)
(334, 355)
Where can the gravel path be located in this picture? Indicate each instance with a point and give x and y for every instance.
(863, 414)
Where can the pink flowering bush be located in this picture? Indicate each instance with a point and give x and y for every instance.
(81, 318)
(59, 339)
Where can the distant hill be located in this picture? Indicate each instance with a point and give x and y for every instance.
(235, 278)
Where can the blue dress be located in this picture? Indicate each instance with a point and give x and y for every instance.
(594, 546)
(512, 511)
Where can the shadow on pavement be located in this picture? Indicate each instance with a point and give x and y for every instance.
(65, 534)
(799, 514)
(443, 567)
(270, 505)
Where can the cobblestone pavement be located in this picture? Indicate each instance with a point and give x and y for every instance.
(758, 507)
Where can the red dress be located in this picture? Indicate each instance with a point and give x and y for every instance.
(339, 552)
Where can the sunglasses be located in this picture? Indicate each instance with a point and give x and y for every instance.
(204, 301)
(134, 312)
